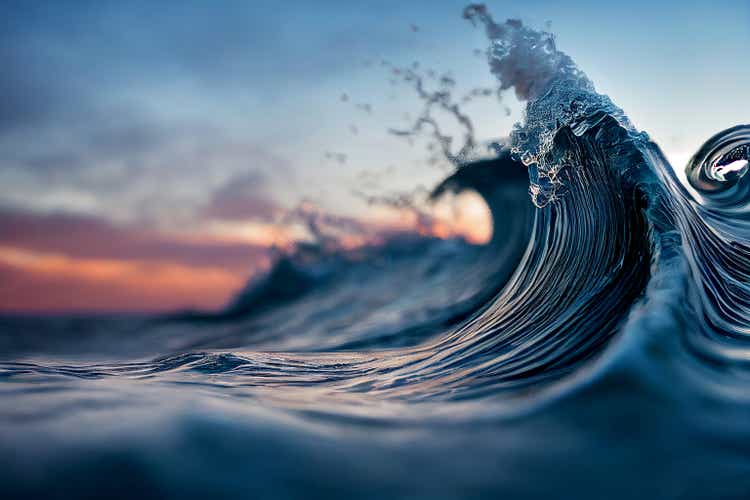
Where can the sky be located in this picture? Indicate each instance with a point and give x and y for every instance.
(153, 153)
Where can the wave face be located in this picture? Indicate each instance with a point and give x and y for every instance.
(597, 347)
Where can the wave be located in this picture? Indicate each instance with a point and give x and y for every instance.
(559, 278)
(604, 270)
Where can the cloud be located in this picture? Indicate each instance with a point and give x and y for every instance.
(130, 169)
(88, 237)
(40, 282)
(181, 96)
(244, 197)
(66, 262)
(29, 95)
(55, 63)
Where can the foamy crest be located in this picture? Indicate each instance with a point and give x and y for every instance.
(557, 92)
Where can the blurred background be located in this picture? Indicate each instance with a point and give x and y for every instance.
(156, 156)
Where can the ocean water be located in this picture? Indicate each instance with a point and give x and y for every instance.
(597, 347)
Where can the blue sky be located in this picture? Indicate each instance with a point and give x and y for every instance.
(140, 111)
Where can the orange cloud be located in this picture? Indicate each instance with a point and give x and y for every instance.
(49, 282)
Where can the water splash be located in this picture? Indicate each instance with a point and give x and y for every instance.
(525, 59)
(559, 95)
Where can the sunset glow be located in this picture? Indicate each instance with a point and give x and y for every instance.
(46, 267)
